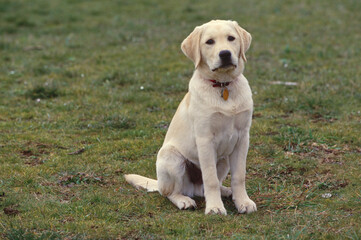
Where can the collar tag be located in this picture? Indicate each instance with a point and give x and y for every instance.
(224, 93)
(223, 86)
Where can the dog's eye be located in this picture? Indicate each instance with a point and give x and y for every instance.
(231, 38)
(210, 41)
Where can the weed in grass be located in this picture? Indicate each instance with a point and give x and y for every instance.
(118, 122)
(294, 139)
(118, 79)
(69, 180)
(43, 92)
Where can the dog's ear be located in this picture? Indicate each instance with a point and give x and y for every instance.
(246, 40)
(190, 46)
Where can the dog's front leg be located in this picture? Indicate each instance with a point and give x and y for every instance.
(208, 163)
(238, 175)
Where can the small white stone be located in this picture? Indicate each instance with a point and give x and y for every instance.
(82, 75)
(141, 88)
(326, 195)
(38, 100)
(12, 72)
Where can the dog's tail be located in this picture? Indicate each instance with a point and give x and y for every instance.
(138, 181)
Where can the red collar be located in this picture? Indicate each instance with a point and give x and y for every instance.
(219, 84)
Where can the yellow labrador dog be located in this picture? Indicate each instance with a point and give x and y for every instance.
(209, 133)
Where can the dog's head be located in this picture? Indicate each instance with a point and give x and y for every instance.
(218, 46)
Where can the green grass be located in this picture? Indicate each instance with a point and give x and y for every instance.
(107, 77)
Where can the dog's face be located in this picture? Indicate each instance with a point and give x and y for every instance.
(218, 45)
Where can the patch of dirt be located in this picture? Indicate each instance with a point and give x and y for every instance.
(66, 195)
(324, 181)
(275, 175)
(323, 147)
(11, 211)
(34, 161)
(328, 154)
(32, 158)
(256, 115)
(35, 153)
(27, 153)
(317, 117)
(323, 152)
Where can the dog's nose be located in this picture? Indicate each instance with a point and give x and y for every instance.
(224, 54)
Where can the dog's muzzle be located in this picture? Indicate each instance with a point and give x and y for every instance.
(226, 60)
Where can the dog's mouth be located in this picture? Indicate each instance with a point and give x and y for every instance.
(225, 67)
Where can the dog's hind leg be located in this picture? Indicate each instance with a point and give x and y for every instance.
(226, 191)
(222, 172)
(171, 177)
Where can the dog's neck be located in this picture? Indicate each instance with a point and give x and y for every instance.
(223, 86)
(217, 80)
(215, 83)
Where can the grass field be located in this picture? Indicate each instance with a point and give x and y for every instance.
(88, 88)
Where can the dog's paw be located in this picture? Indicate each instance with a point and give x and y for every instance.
(184, 202)
(216, 210)
(245, 206)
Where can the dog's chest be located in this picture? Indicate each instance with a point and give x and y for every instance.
(226, 133)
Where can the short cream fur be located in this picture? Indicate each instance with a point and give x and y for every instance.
(207, 131)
